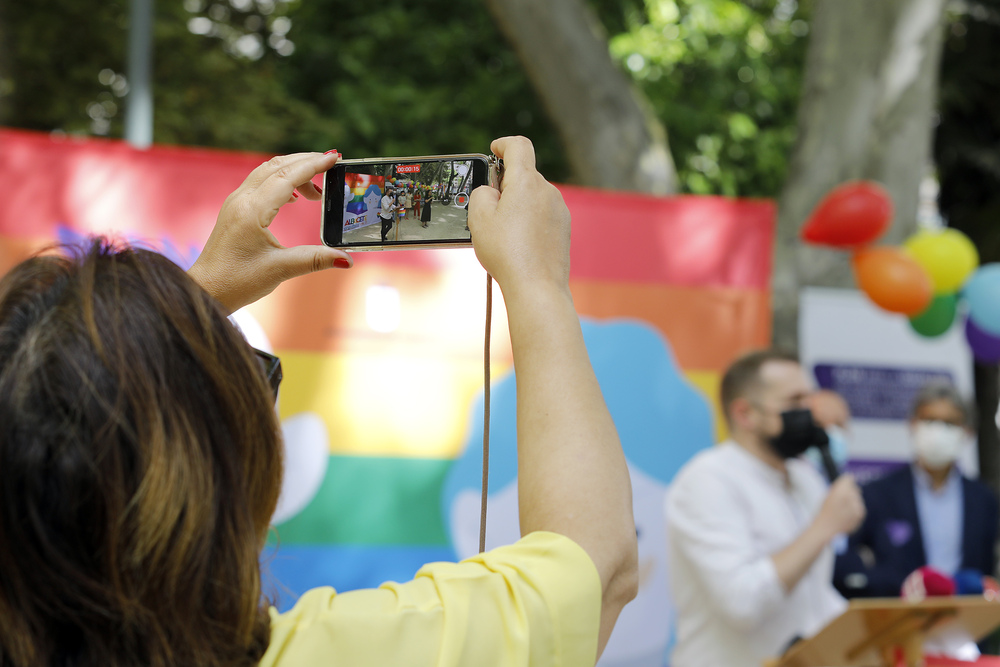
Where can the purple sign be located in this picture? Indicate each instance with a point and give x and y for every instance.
(874, 392)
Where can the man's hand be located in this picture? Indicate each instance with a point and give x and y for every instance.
(242, 260)
(841, 512)
(844, 508)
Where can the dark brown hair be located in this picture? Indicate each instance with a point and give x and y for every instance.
(140, 462)
(743, 375)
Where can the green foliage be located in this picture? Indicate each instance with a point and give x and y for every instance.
(68, 61)
(53, 63)
(405, 78)
(278, 76)
(221, 88)
(400, 78)
(724, 77)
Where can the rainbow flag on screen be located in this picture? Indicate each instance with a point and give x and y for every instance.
(381, 406)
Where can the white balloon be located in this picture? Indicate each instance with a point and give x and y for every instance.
(307, 455)
(306, 443)
(251, 329)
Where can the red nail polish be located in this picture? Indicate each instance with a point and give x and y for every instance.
(341, 264)
(319, 188)
(332, 150)
(295, 194)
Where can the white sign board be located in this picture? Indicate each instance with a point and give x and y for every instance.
(878, 363)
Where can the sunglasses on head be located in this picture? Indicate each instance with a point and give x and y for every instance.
(271, 366)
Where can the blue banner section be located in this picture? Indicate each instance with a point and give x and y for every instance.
(291, 570)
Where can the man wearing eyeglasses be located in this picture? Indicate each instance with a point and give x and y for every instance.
(927, 512)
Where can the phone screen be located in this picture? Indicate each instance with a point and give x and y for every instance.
(408, 202)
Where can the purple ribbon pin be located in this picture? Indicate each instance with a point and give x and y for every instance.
(899, 532)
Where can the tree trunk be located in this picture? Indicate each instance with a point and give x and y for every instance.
(866, 113)
(611, 136)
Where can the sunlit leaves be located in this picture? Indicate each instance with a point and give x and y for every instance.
(404, 78)
(401, 77)
(245, 27)
(724, 77)
(68, 70)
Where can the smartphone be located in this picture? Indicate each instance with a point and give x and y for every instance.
(403, 202)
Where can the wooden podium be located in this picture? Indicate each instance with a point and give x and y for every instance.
(873, 632)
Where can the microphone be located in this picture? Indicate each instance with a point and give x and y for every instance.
(926, 582)
(829, 465)
(973, 582)
(822, 445)
(969, 582)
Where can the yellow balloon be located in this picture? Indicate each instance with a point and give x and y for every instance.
(948, 256)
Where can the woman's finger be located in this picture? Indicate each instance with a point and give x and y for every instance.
(276, 163)
(277, 188)
(310, 190)
(518, 155)
(303, 259)
(482, 204)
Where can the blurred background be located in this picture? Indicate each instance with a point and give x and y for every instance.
(398, 78)
(600, 87)
(757, 108)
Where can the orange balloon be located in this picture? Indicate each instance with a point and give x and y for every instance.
(893, 280)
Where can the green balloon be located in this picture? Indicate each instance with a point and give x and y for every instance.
(937, 318)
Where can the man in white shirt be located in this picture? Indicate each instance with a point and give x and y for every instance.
(401, 204)
(750, 525)
(388, 205)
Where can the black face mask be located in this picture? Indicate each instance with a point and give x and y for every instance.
(798, 433)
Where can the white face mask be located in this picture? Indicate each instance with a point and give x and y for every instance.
(938, 444)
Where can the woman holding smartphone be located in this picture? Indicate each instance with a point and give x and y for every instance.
(141, 460)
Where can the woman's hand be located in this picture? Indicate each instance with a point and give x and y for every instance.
(521, 232)
(242, 261)
(567, 445)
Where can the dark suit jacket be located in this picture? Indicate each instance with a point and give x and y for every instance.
(892, 533)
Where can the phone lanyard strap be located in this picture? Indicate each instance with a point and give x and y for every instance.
(486, 412)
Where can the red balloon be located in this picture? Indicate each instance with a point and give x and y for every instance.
(851, 215)
(893, 280)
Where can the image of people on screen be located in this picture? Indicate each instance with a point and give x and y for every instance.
(407, 202)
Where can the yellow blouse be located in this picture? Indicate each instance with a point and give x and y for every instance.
(535, 602)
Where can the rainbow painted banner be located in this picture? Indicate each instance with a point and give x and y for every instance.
(382, 401)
